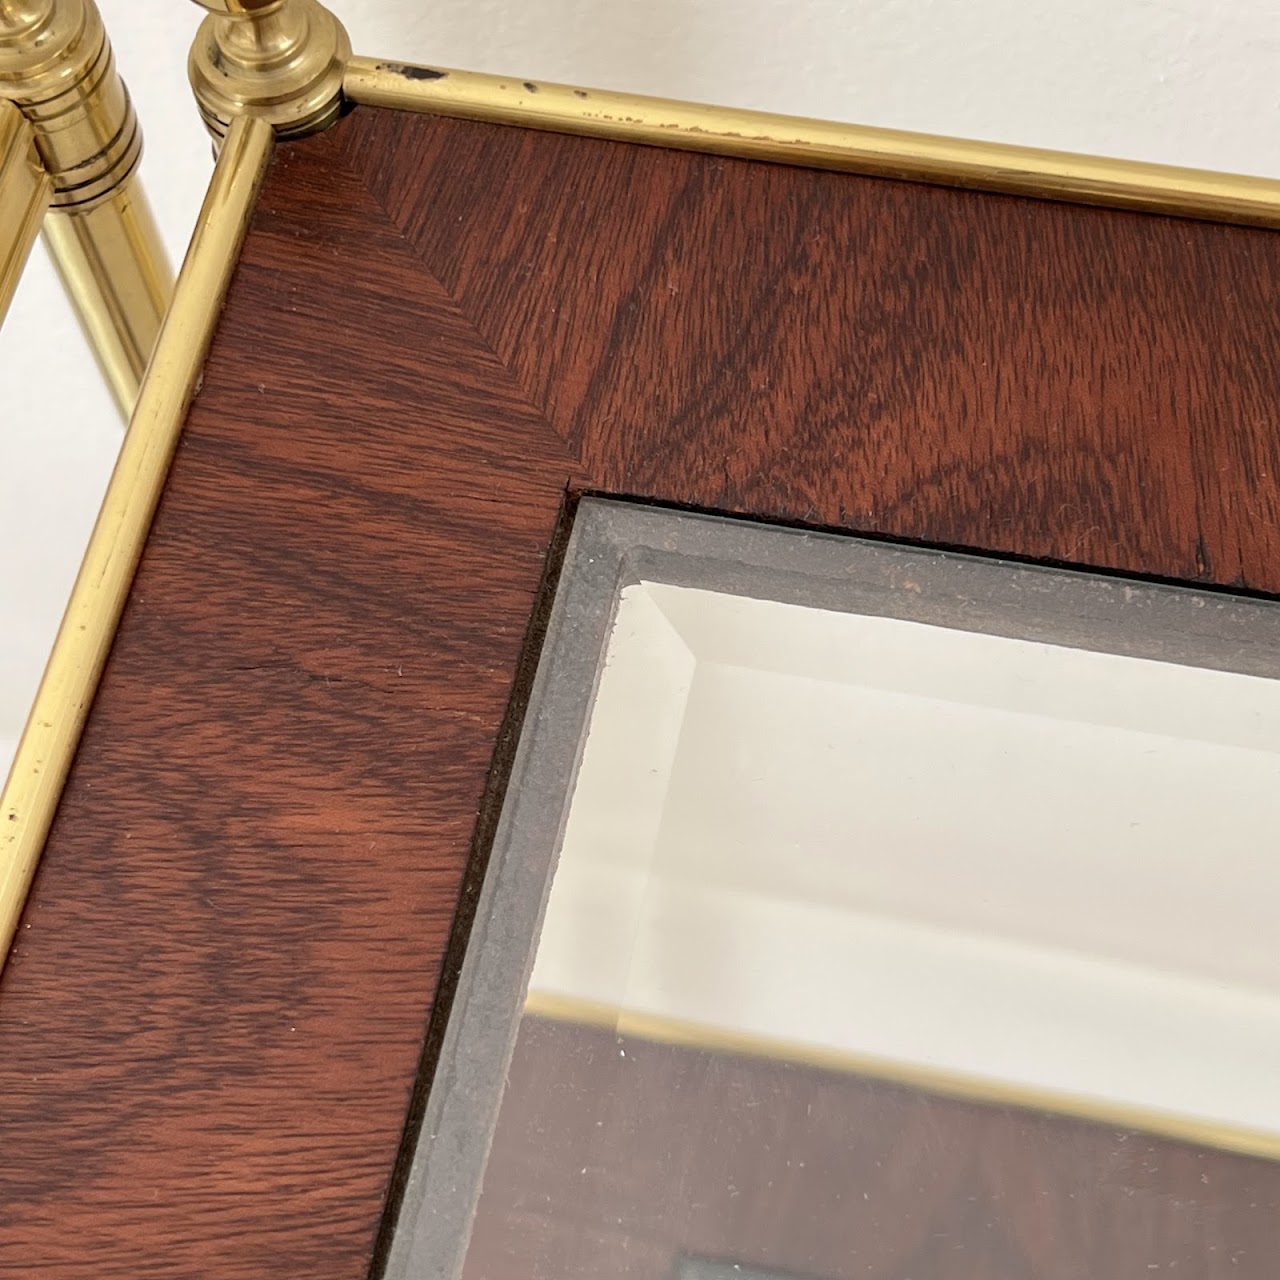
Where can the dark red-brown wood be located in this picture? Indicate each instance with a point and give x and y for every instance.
(211, 1023)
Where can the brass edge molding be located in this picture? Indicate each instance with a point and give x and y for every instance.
(25, 190)
(888, 153)
(950, 1084)
(49, 742)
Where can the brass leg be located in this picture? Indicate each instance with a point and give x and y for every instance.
(112, 265)
(57, 68)
(24, 195)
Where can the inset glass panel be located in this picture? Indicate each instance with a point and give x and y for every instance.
(867, 911)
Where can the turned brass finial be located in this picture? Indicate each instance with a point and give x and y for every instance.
(280, 60)
(57, 67)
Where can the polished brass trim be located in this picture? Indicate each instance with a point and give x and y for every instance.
(25, 189)
(30, 796)
(951, 1084)
(889, 153)
(112, 265)
(58, 69)
(280, 60)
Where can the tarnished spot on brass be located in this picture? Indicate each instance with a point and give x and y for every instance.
(411, 72)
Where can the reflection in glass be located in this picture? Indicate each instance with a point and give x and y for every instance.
(847, 839)
(918, 929)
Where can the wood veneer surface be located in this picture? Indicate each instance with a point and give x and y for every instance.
(211, 1022)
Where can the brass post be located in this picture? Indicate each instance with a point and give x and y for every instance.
(281, 61)
(24, 195)
(57, 68)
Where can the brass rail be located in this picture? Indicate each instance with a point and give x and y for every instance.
(817, 144)
(30, 795)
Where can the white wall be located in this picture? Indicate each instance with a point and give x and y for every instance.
(1183, 81)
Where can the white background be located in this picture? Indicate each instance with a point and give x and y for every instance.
(1192, 82)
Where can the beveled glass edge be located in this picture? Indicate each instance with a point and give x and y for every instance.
(615, 543)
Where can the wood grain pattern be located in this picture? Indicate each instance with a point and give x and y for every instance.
(211, 1023)
(615, 1156)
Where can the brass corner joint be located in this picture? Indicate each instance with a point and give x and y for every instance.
(57, 68)
(281, 61)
